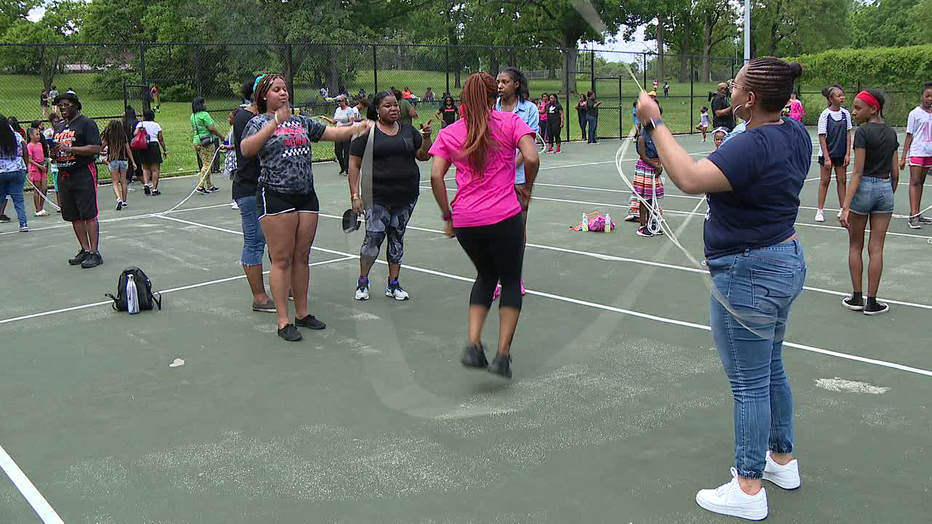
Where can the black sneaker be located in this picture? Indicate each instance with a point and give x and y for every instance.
(266, 307)
(290, 333)
(156, 192)
(852, 304)
(77, 259)
(474, 357)
(147, 188)
(92, 260)
(202, 190)
(213, 189)
(4, 218)
(309, 322)
(501, 365)
(119, 205)
(876, 308)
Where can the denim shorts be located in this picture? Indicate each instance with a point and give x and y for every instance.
(118, 165)
(874, 195)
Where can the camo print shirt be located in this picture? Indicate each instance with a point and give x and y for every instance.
(285, 160)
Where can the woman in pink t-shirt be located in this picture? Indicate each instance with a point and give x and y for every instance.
(485, 215)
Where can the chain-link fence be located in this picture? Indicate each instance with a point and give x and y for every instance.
(111, 77)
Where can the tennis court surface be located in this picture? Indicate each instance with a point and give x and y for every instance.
(618, 411)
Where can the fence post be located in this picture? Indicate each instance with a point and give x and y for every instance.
(692, 70)
(145, 79)
(566, 76)
(289, 64)
(644, 57)
(733, 69)
(592, 69)
(197, 69)
(375, 69)
(621, 112)
(446, 65)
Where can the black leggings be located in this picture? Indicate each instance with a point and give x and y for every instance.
(497, 251)
(342, 150)
(553, 129)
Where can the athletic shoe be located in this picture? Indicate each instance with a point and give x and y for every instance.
(92, 260)
(44, 213)
(213, 189)
(819, 216)
(558, 150)
(119, 206)
(631, 218)
(23, 229)
(77, 259)
(309, 322)
(878, 308)
(266, 307)
(362, 289)
(924, 220)
(125, 205)
(394, 290)
(501, 365)
(550, 150)
(474, 357)
(853, 305)
(644, 232)
(497, 293)
(290, 333)
(234, 205)
(147, 188)
(4, 218)
(156, 192)
(730, 499)
(202, 190)
(786, 476)
(913, 223)
(523, 291)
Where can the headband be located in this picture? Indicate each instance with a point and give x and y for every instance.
(868, 99)
(255, 84)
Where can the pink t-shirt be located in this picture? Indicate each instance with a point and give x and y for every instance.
(491, 198)
(37, 155)
(797, 111)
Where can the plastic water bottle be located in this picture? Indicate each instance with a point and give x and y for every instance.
(132, 298)
(585, 223)
(608, 223)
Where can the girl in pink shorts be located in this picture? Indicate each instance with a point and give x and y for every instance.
(37, 170)
(918, 149)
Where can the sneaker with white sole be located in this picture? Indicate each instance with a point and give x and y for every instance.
(786, 476)
(394, 290)
(914, 223)
(234, 205)
(362, 289)
(730, 499)
(925, 220)
(44, 213)
(819, 216)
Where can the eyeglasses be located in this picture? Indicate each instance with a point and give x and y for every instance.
(735, 85)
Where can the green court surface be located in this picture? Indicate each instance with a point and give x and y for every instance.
(618, 411)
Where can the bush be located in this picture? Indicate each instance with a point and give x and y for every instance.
(108, 85)
(179, 93)
(878, 67)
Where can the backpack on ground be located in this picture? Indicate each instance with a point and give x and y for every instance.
(146, 297)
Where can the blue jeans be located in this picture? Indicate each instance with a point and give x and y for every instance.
(759, 286)
(593, 123)
(11, 183)
(253, 238)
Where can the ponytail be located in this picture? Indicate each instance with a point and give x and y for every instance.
(478, 97)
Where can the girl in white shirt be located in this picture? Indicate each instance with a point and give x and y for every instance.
(918, 148)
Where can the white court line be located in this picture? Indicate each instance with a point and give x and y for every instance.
(171, 290)
(656, 318)
(35, 499)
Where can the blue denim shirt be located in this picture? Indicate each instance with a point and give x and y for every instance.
(528, 112)
(740, 128)
(16, 162)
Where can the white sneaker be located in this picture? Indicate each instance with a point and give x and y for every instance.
(819, 216)
(396, 291)
(42, 213)
(786, 477)
(730, 499)
(362, 290)
(233, 205)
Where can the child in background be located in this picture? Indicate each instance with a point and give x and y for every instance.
(703, 122)
(119, 160)
(646, 175)
(797, 111)
(918, 148)
(542, 116)
(835, 138)
(718, 137)
(38, 174)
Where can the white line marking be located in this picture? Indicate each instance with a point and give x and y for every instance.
(35, 499)
(604, 307)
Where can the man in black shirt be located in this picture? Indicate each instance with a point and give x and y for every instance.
(245, 189)
(722, 115)
(77, 143)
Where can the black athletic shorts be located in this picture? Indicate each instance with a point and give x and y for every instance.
(77, 191)
(835, 161)
(271, 203)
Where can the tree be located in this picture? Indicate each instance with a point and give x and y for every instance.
(717, 26)
(883, 23)
(784, 27)
(59, 25)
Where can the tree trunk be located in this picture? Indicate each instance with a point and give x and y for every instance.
(707, 48)
(684, 51)
(494, 62)
(660, 75)
(571, 57)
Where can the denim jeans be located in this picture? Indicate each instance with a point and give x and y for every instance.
(582, 126)
(759, 286)
(253, 238)
(11, 183)
(593, 124)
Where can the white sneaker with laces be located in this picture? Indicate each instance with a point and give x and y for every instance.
(362, 292)
(819, 216)
(396, 292)
(42, 213)
(730, 499)
(786, 477)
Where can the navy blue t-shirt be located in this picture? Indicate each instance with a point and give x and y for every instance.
(766, 168)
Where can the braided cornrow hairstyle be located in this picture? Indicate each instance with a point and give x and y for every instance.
(772, 80)
(262, 89)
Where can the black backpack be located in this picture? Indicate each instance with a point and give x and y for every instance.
(147, 299)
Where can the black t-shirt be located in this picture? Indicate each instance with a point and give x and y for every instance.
(591, 105)
(879, 143)
(553, 113)
(718, 103)
(449, 114)
(246, 178)
(395, 175)
(82, 131)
